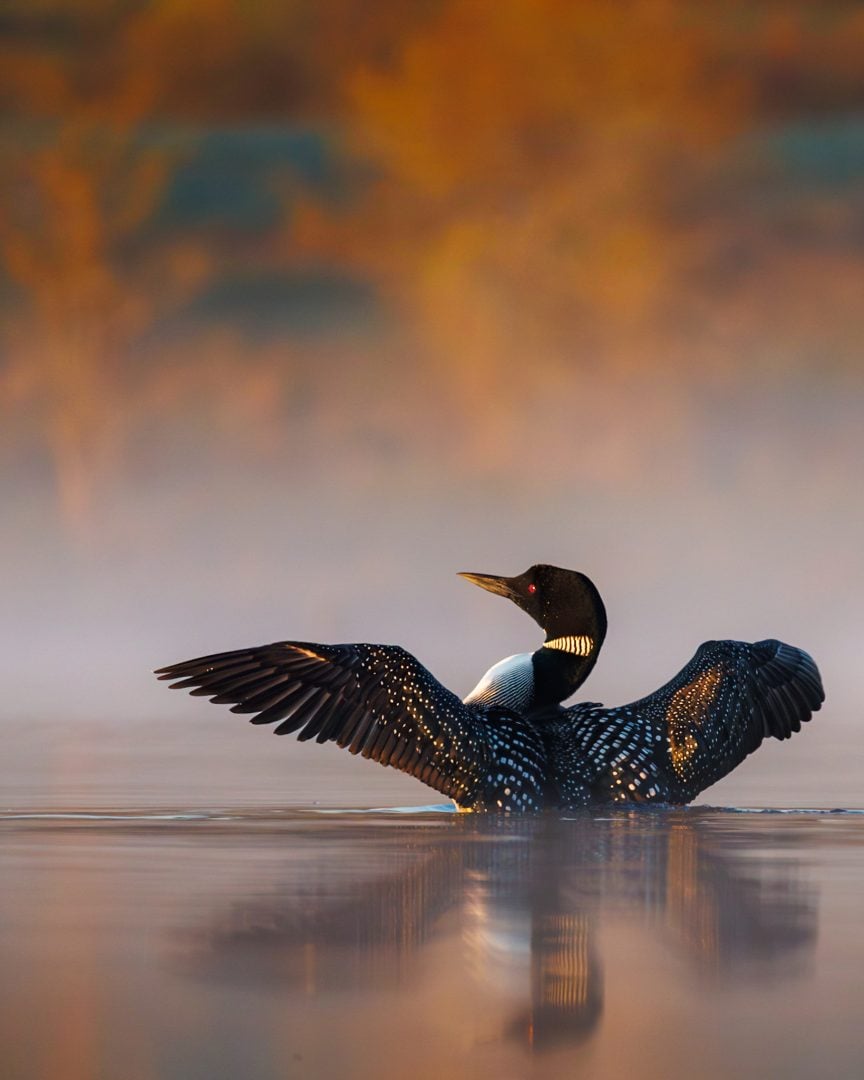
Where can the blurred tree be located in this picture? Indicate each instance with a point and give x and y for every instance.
(532, 182)
(99, 101)
(532, 158)
(549, 184)
(79, 178)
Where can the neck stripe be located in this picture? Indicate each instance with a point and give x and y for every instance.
(579, 645)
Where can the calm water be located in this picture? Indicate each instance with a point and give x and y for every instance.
(312, 944)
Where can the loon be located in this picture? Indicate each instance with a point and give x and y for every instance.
(511, 745)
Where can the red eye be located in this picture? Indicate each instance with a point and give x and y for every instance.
(532, 588)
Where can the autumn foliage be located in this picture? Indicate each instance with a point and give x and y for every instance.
(568, 185)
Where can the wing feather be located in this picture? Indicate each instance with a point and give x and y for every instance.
(380, 702)
(672, 744)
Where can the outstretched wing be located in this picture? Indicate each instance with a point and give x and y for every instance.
(378, 701)
(674, 743)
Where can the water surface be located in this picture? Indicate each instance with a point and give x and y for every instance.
(265, 944)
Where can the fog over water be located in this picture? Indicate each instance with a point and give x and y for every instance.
(297, 328)
(84, 718)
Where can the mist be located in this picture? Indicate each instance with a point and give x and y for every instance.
(278, 363)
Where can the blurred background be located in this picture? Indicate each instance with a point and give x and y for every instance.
(305, 306)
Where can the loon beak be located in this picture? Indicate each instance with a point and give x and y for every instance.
(501, 586)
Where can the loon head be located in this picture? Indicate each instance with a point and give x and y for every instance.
(564, 603)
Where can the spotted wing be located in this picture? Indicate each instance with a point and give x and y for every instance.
(678, 741)
(378, 701)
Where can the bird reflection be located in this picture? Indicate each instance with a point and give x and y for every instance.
(566, 980)
(527, 898)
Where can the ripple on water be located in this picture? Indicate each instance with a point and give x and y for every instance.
(131, 816)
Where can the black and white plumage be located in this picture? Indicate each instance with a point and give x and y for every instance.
(378, 701)
(510, 745)
(671, 745)
(509, 684)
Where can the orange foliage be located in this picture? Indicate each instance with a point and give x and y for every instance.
(536, 202)
(78, 185)
(531, 159)
(542, 209)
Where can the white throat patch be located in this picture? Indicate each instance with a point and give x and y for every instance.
(580, 645)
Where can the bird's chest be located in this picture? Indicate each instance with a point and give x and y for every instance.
(509, 684)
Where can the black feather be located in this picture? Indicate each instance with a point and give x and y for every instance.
(378, 701)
